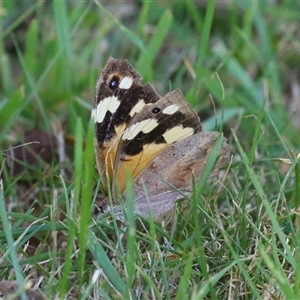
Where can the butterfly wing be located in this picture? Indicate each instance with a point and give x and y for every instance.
(161, 184)
(119, 96)
(157, 126)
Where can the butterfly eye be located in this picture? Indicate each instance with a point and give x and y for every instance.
(114, 83)
(156, 110)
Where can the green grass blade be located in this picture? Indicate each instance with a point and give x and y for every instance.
(142, 22)
(31, 47)
(64, 282)
(203, 48)
(10, 242)
(86, 199)
(145, 61)
(131, 237)
(8, 109)
(105, 263)
(209, 166)
(62, 27)
(184, 280)
(127, 33)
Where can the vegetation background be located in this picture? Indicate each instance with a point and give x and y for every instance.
(237, 62)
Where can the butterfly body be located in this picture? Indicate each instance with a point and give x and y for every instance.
(156, 140)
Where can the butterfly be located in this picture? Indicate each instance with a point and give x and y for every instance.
(157, 140)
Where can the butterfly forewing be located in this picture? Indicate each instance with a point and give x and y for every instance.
(119, 96)
(153, 129)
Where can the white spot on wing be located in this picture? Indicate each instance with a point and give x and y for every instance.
(171, 109)
(177, 133)
(145, 126)
(126, 83)
(137, 108)
(107, 104)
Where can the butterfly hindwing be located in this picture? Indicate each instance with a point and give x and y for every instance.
(186, 160)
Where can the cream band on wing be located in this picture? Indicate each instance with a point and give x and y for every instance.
(110, 104)
(126, 83)
(171, 109)
(137, 108)
(144, 126)
(177, 133)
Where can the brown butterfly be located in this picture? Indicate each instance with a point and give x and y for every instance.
(156, 140)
